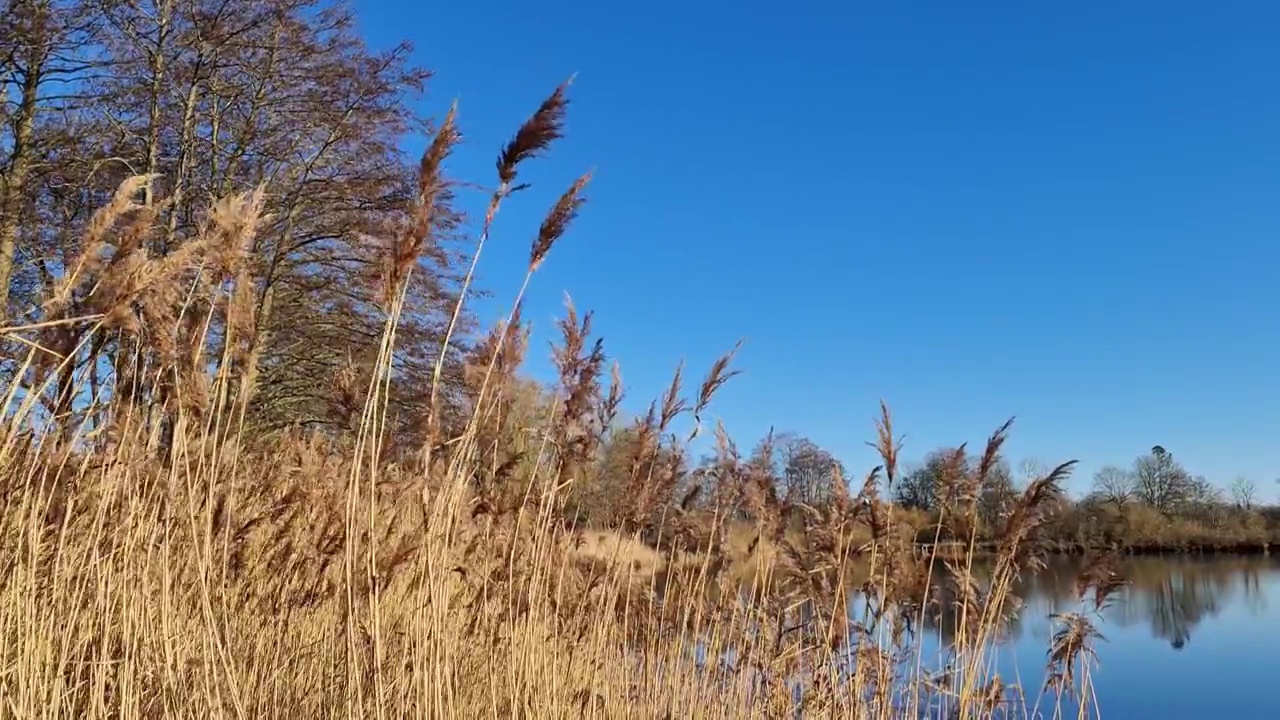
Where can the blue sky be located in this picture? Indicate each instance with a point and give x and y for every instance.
(1065, 212)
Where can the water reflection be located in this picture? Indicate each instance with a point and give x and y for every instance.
(1179, 621)
(1170, 596)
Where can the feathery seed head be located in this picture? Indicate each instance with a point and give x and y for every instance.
(536, 135)
(557, 221)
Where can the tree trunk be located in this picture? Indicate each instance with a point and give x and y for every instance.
(13, 184)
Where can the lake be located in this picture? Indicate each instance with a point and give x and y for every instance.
(1191, 637)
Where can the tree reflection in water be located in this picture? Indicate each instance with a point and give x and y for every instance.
(1172, 596)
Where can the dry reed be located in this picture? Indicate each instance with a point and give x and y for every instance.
(303, 576)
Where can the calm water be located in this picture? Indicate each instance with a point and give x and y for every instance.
(1190, 638)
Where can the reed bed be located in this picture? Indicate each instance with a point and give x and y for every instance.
(166, 562)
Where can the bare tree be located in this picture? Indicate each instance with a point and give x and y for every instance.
(997, 493)
(1031, 469)
(917, 489)
(211, 98)
(924, 487)
(1161, 482)
(1204, 501)
(1244, 493)
(1115, 485)
(803, 471)
(810, 472)
(46, 48)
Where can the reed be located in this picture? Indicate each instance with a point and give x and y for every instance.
(169, 564)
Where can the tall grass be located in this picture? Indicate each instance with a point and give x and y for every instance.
(164, 563)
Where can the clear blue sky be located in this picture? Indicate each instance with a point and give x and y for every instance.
(1070, 214)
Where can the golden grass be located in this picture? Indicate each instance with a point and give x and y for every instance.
(182, 567)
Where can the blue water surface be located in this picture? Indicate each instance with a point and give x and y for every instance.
(1189, 637)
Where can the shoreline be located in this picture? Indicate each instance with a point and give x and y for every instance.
(954, 551)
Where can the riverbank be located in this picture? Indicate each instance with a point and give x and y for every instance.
(955, 551)
(746, 554)
(1138, 531)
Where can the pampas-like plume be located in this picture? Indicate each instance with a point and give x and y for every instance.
(557, 221)
(545, 126)
(1071, 646)
(992, 452)
(408, 244)
(887, 445)
(1102, 576)
(717, 376)
(96, 241)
